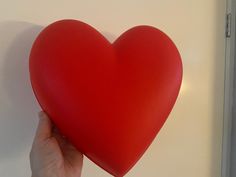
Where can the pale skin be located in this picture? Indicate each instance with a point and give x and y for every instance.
(51, 154)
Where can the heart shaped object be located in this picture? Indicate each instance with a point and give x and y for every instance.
(109, 100)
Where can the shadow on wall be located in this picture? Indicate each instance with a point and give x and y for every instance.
(18, 106)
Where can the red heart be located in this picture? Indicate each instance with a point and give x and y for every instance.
(110, 100)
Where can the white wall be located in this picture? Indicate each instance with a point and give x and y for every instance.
(189, 145)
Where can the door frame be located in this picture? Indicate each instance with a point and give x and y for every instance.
(228, 91)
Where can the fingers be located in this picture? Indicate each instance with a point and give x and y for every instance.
(44, 129)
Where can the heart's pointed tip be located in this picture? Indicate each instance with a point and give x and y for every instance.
(120, 172)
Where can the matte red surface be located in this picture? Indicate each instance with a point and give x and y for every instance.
(110, 100)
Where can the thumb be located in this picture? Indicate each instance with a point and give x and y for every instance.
(44, 129)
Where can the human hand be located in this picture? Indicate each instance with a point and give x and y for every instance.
(51, 154)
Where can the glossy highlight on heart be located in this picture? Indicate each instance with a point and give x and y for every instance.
(109, 100)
